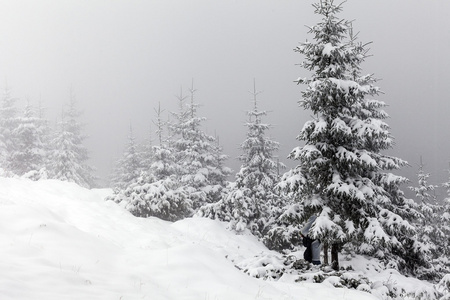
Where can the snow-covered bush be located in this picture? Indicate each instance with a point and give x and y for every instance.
(368, 275)
(350, 280)
(36, 175)
(267, 267)
(163, 199)
(284, 234)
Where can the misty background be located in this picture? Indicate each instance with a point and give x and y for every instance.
(122, 57)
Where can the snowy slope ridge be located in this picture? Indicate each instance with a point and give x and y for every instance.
(61, 241)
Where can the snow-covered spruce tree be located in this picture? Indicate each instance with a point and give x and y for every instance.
(424, 191)
(46, 134)
(157, 193)
(8, 123)
(69, 156)
(444, 224)
(341, 176)
(195, 153)
(431, 235)
(129, 167)
(446, 212)
(251, 199)
(29, 153)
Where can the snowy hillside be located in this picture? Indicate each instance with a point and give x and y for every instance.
(62, 241)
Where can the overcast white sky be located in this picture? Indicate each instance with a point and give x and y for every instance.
(122, 57)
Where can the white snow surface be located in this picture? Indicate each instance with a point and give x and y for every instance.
(61, 241)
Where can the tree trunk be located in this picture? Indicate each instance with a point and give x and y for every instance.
(335, 257)
(325, 254)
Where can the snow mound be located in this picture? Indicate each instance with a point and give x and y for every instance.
(62, 241)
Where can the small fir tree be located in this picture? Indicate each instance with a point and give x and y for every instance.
(195, 154)
(445, 218)
(218, 173)
(430, 235)
(251, 199)
(164, 164)
(424, 191)
(444, 224)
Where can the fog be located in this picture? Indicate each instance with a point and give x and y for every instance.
(121, 58)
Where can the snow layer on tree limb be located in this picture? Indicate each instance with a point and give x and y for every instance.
(360, 189)
(327, 49)
(338, 126)
(325, 227)
(375, 234)
(290, 180)
(307, 152)
(393, 221)
(350, 226)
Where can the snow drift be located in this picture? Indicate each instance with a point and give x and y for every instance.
(62, 241)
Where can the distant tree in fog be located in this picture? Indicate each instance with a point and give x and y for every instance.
(129, 167)
(69, 156)
(163, 159)
(157, 192)
(8, 123)
(145, 150)
(46, 134)
(187, 169)
(29, 153)
(196, 154)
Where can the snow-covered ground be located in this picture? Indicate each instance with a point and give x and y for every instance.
(61, 241)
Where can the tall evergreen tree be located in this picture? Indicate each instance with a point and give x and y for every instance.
(341, 176)
(69, 156)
